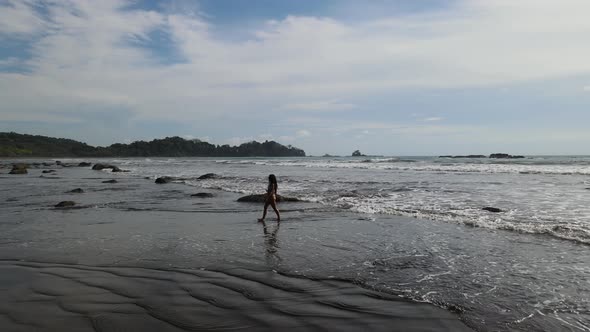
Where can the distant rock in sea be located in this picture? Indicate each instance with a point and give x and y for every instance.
(504, 156)
(110, 181)
(47, 171)
(164, 179)
(492, 209)
(76, 191)
(84, 164)
(357, 153)
(100, 167)
(65, 204)
(19, 169)
(203, 195)
(208, 176)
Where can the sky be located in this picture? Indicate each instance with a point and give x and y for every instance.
(385, 77)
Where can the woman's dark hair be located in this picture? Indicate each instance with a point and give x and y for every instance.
(273, 179)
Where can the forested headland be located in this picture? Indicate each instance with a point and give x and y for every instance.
(24, 145)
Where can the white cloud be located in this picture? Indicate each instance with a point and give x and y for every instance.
(432, 119)
(586, 88)
(326, 105)
(303, 133)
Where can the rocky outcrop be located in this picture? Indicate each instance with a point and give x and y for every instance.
(208, 176)
(203, 195)
(47, 171)
(261, 198)
(164, 179)
(65, 204)
(357, 153)
(76, 191)
(492, 209)
(19, 169)
(84, 164)
(110, 181)
(504, 156)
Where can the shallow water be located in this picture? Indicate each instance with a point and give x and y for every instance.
(495, 279)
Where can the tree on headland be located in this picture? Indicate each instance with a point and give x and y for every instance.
(15, 145)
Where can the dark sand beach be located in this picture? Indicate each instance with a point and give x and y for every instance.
(136, 256)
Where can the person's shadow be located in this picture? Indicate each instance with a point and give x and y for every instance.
(271, 244)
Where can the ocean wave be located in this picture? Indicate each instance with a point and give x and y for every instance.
(414, 165)
(474, 217)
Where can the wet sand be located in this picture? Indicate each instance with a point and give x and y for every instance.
(60, 297)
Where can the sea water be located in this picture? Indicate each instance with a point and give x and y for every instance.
(410, 226)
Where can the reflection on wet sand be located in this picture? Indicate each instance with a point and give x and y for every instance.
(271, 244)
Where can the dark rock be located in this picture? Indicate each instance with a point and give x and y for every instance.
(110, 181)
(164, 179)
(76, 191)
(100, 167)
(48, 164)
(208, 176)
(84, 164)
(65, 204)
(261, 198)
(203, 195)
(357, 153)
(19, 169)
(48, 171)
(57, 162)
(492, 209)
(504, 156)
(117, 169)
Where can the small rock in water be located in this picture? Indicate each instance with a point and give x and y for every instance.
(100, 167)
(76, 191)
(110, 181)
(492, 209)
(48, 171)
(202, 195)
(65, 204)
(164, 179)
(19, 169)
(84, 164)
(207, 176)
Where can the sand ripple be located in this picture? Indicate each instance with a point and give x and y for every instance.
(58, 297)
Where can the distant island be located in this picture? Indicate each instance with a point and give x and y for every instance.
(23, 145)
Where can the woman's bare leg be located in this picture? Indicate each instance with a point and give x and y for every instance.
(274, 207)
(264, 213)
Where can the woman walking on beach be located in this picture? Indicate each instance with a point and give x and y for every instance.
(271, 197)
